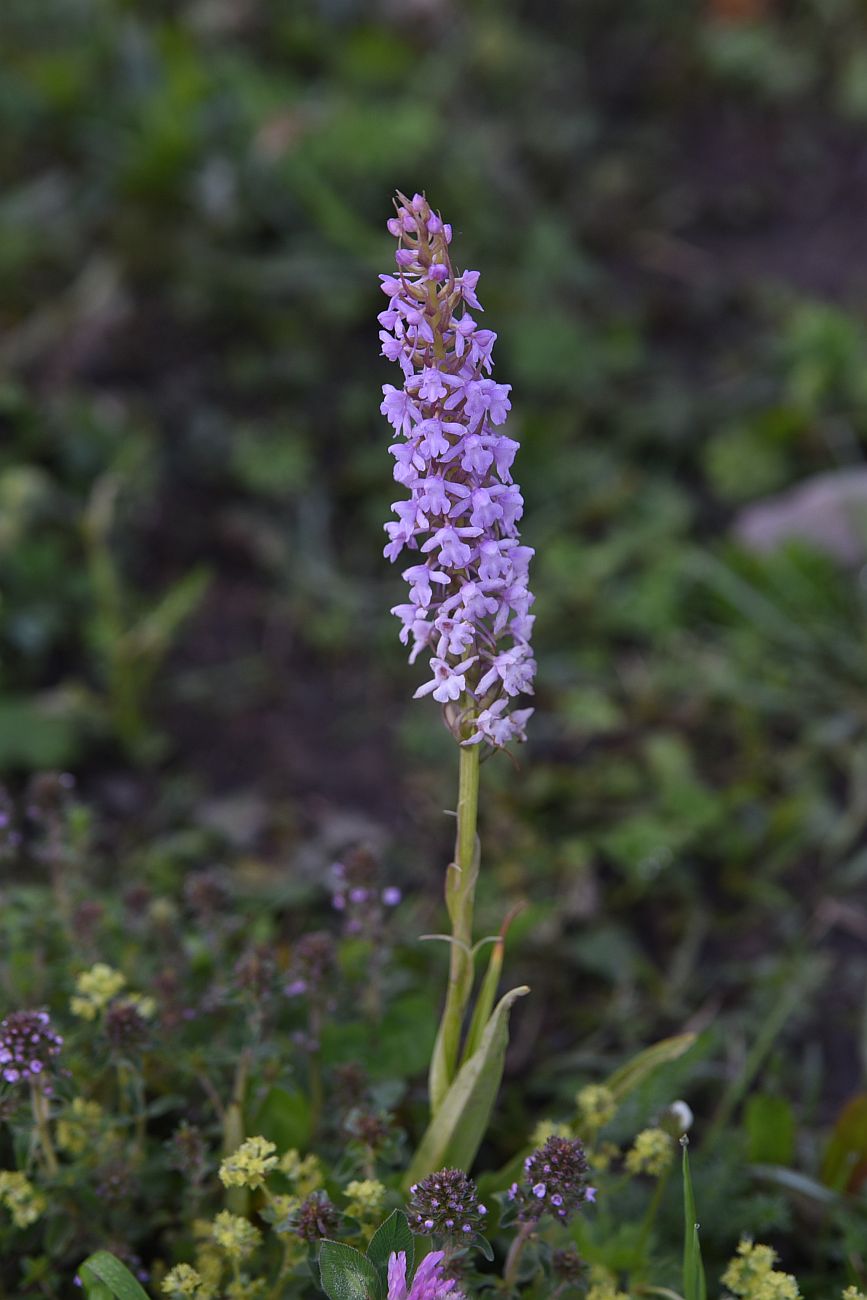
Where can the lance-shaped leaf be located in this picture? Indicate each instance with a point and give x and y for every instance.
(634, 1072)
(488, 991)
(455, 1132)
(103, 1275)
(844, 1164)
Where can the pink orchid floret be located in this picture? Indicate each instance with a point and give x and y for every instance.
(448, 682)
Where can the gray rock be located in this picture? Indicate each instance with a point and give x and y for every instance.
(828, 511)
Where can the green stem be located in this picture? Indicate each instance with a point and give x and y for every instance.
(40, 1117)
(468, 806)
(286, 1263)
(140, 1112)
(516, 1250)
(652, 1211)
(314, 1066)
(460, 894)
(237, 1198)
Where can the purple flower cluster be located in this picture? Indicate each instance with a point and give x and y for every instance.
(469, 604)
(447, 1204)
(429, 1283)
(27, 1044)
(315, 1218)
(356, 894)
(555, 1181)
(312, 964)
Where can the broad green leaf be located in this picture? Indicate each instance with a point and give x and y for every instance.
(347, 1274)
(634, 1072)
(283, 1118)
(393, 1236)
(694, 1285)
(770, 1124)
(844, 1164)
(103, 1275)
(404, 1040)
(455, 1133)
(41, 731)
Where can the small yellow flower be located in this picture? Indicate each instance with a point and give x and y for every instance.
(144, 1004)
(596, 1105)
(209, 1265)
(78, 1127)
(250, 1165)
(236, 1236)
(852, 1293)
(601, 1157)
(751, 1274)
(603, 1285)
(280, 1207)
(548, 1128)
(651, 1153)
(772, 1286)
(182, 1280)
(95, 989)
(366, 1199)
(305, 1173)
(162, 911)
(245, 1288)
(23, 1201)
(779, 1286)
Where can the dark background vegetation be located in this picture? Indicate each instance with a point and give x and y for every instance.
(666, 201)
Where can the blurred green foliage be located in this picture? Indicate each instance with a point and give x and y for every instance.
(663, 199)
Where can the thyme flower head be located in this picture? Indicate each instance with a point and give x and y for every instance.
(568, 1266)
(555, 1181)
(446, 1203)
(429, 1283)
(126, 1022)
(469, 604)
(27, 1044)
(312, 964)
(315, 1218)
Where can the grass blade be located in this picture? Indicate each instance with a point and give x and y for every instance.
(694, 1285)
